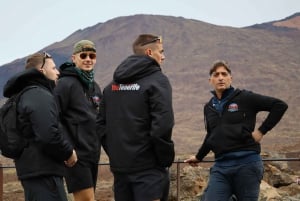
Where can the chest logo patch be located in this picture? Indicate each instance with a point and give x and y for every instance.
(233, 107)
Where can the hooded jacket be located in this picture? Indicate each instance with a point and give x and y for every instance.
(136, 115)
(38, 123)
(230, 129)
(79, 106)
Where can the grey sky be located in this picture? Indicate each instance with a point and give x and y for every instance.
(28, 26)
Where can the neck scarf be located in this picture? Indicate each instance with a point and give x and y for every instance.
(87, 77)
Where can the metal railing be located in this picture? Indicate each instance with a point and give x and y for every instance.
(177, 163)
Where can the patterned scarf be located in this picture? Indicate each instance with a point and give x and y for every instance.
(87, 77)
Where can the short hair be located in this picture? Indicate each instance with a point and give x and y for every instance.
(34, 61)
(142, 40)
(218, 64)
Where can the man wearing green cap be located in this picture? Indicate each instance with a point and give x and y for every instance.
(78, 97)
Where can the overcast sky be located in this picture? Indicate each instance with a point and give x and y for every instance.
(30, 25)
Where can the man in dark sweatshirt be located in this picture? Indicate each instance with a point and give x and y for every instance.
(78, 97)
(136, 116)
(230, 118)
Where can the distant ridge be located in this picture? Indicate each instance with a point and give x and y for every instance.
(286, 24)
(264, 58)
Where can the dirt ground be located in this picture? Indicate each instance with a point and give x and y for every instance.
(12, 189)
(286, 147)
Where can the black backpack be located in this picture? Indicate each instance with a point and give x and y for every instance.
(12, 143)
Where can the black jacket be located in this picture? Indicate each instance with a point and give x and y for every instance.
(137, 116)
(38, 122)
(232, 130)
(78, 110)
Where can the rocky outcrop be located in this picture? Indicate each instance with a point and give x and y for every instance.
(279, 182)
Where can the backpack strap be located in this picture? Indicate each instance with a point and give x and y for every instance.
(18, 95)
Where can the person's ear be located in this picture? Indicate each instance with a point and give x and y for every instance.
(73, 58)
(42, 70)
(148, 52)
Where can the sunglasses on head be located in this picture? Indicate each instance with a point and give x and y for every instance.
(84, 55)
(158, 38)
(45, 56)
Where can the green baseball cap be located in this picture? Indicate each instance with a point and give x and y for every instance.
(84, 45)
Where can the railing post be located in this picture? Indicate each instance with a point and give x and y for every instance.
(1, 182)
(178, 181)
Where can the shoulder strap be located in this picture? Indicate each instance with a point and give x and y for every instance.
(25, 89)
(18, 95)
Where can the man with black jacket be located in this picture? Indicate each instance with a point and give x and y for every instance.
(41, 165)
(136, 115)
(230, 118)
(78, 97)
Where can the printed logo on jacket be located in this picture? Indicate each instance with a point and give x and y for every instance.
(233, 107)
(125, 87)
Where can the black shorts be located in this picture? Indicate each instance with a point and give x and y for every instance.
(46, 188)
(81, 177)
(147, 185)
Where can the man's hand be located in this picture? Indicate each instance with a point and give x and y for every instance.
(257, 136)
(72, 160)
(193, 161)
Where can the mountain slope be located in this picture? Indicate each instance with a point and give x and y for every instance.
(262, 59)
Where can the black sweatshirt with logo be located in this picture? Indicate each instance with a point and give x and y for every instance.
(79, 106)
(231, 130)
(136, 115)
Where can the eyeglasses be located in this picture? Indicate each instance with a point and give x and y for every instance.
(45, 56)
(158, 38)
(85, 55)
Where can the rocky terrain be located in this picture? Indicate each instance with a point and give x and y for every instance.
(188, 183)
